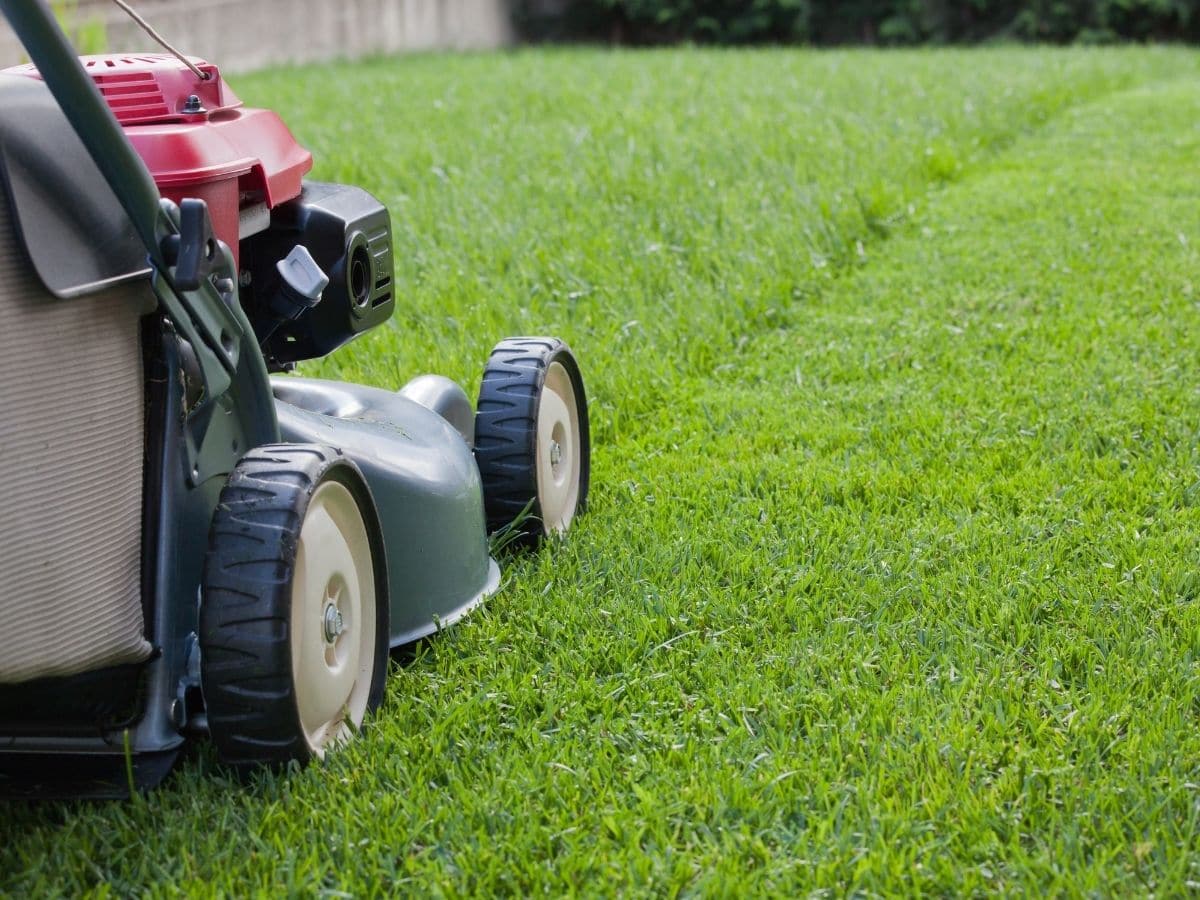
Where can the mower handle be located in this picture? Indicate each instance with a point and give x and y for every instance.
(92, 120)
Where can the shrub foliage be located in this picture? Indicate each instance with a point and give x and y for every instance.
(860, 21)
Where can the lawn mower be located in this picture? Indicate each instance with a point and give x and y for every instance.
(197, 541)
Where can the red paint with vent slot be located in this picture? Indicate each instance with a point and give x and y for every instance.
(197, 138)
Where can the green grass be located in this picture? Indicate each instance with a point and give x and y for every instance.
(889, 582)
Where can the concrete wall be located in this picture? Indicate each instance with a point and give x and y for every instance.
(247, 34)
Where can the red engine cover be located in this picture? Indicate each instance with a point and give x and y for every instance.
(198, 140)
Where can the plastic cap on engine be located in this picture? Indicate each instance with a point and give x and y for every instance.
(301, 284)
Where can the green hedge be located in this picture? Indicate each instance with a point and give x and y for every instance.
(859, 21)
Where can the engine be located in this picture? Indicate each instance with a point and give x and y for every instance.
(314, 260)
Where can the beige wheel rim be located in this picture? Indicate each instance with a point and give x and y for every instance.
(558, 448)
(333, 618)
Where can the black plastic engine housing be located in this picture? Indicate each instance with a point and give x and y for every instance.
(349, 235)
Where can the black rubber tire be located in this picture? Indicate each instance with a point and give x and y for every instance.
(246, 610)
(506, 431)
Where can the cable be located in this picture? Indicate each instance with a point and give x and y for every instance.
(149, 29)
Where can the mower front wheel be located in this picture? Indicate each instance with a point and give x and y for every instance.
(293, 621)
(531, 437)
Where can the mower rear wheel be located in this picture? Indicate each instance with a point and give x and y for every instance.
(293, 622)
(531, 437)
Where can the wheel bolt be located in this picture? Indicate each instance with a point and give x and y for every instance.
(334, 624)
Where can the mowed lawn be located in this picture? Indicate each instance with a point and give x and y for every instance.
(889, 580)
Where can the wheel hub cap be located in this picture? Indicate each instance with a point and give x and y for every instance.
(333, 626)
(558, 442)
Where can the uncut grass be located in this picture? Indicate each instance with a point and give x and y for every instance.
(889, 576)
(661, 206)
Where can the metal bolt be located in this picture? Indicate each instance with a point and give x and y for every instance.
(555, 453)
(334, 623)
(192, 104)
